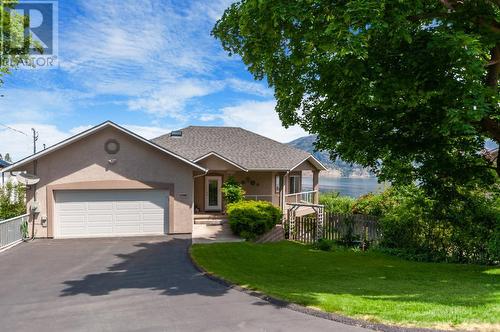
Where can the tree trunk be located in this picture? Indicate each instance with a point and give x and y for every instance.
(489, 125)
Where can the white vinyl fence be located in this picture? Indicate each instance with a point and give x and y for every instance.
(10, 230)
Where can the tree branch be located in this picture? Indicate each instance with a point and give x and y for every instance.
(494, 68)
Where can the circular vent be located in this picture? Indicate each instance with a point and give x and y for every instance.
(112, 146)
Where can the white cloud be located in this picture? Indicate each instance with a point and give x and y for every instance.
(249, 87)
(260, 117)
(172, 98)
(20, 146)
(209, 117)
(147, 131)
(27, 105)
(150, 40)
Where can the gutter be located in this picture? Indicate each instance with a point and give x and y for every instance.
(200, 175)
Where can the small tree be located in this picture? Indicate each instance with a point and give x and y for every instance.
(7, 157)
(12, 201)
(232, 191)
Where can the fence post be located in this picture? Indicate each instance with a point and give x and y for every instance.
(291, 223)
(319, 223)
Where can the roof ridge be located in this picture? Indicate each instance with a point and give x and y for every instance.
(275, 141)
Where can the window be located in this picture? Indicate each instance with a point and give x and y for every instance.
(277, 184)
(295, 181)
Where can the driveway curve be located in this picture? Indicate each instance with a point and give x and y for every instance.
(129, 284)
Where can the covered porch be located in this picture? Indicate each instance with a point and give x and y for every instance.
(278, 188)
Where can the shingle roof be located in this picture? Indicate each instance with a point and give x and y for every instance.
(243, 147)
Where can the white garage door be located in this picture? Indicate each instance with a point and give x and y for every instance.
(95, 213)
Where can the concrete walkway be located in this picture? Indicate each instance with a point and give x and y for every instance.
(214, 234)
(129, 284)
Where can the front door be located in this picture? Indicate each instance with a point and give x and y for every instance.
(213, 194)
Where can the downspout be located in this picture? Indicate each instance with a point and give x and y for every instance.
(35, 169)
(283, 199)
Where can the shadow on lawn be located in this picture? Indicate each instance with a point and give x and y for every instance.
(163, 266)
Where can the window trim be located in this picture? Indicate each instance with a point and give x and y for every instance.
(297, 182)
(277, 183)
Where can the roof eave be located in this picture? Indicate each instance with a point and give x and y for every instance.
(213, 153)
(88, 132)
(319, 166)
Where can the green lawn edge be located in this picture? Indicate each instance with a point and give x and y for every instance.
(371, 286)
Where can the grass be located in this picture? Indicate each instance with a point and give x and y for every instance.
(370, 286)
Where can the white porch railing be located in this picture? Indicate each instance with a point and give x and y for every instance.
(10, 230)
(302, 197)
(267, 198)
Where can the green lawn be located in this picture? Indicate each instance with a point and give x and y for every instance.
(370, 285)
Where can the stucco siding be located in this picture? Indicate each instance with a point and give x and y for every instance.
(305, 166)
(215, 163)
(86, 160)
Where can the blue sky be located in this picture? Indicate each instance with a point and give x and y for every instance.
(149, 65)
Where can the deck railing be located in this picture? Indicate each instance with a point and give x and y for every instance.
(267, 198)
(10, 230)
(302, 197)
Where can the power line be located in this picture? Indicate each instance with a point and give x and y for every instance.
(14, 129)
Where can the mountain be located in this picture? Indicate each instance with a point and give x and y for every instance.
(338, 167)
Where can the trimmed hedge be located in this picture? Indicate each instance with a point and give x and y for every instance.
(249, 219)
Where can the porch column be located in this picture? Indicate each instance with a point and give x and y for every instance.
(283, 191)
(316, 186)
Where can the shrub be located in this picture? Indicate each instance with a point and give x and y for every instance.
(334, 203)
(349, 238)
(12, 201)
(466, 230)
(462, 228)
(249, 219)
(374, 204)
(232, 191)
(324, 245)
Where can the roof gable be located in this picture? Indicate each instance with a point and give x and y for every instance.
(91, 131)
(244, 148)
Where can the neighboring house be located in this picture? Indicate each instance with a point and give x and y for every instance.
(5, 176)
(109, 181)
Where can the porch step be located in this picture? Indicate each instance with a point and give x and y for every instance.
(210, 219)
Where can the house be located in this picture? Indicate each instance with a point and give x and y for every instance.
(5, 176)
(109, 181)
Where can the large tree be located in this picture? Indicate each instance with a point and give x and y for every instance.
(406, 87)
(16, 41)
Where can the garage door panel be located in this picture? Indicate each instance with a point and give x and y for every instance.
(150, 217)
(99, 206)
(66, 206)
(128, 229)
(99, 230)
(110, 213)
(128, 206)
(130, 218)
(151, 205)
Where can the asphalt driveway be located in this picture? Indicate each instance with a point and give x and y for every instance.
(128, 284)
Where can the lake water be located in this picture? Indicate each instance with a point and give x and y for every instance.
(353, 187)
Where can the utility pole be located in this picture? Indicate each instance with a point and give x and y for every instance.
(35, 138)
